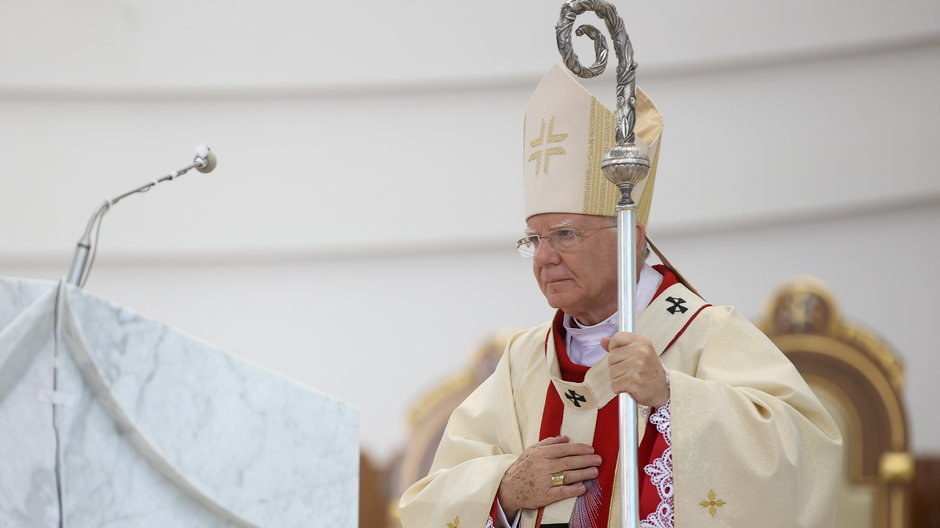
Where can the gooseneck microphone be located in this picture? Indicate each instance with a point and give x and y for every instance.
(204, 162)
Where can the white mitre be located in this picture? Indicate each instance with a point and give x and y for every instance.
(567, 133)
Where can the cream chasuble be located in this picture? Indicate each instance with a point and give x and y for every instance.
(751, 445)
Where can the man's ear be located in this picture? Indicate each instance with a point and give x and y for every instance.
(640, 238)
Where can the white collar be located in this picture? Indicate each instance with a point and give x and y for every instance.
(584, 342)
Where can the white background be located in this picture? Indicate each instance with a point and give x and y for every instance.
(358, 232)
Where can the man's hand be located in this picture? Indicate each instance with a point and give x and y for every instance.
(528, 481)
(635, 369)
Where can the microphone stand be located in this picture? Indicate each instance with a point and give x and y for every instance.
(625, 165)
(85, 250)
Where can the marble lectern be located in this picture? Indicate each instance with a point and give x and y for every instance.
(110, 419)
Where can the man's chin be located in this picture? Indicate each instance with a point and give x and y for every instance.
(557, 301)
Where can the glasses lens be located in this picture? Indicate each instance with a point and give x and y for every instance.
(564, 238)
(527, 246)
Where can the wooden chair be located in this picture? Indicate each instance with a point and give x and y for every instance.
(859, 380)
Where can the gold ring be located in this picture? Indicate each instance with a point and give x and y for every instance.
(558, 479)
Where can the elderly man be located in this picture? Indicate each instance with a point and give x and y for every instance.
(731, 435)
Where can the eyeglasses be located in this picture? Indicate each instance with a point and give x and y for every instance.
(562, 239)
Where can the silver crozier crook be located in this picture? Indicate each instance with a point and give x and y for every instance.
(625, 165)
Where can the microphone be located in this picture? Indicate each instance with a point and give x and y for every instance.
(205, 160)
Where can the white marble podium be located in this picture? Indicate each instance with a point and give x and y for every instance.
(110, 419)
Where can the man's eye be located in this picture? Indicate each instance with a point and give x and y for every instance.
(565, 234)
(532, 240)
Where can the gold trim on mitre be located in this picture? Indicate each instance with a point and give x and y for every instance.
(566, 134)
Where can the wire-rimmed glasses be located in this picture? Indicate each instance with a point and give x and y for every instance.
(562, 239)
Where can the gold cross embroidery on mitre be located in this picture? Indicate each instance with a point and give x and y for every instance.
(712, 503)
(537, 156)
(455, 524)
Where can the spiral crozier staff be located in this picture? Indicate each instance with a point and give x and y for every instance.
(625, 165)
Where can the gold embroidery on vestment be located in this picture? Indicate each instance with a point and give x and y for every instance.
(546, 153)
(712, 503)
(455, 524)
(600, 196)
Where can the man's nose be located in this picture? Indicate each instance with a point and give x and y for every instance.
(545, 253)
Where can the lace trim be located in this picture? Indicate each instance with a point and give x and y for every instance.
(660, 473)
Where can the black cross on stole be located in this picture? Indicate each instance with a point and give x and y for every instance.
(575, 398)
(676, 305)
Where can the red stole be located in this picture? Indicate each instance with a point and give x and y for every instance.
(606, 438)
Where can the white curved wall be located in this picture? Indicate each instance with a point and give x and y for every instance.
(212, 46)
(358, 232)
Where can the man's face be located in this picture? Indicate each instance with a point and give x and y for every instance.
(581, 281)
